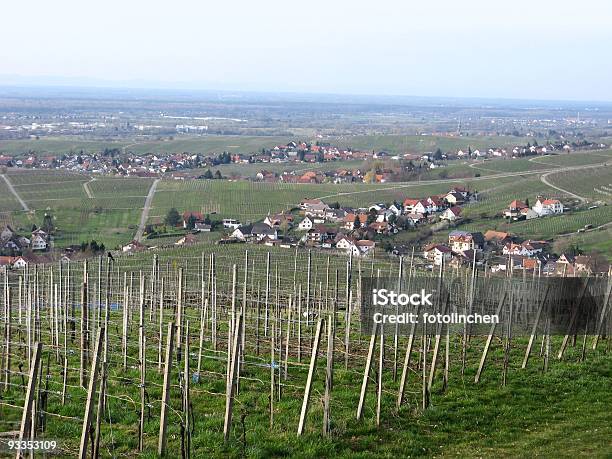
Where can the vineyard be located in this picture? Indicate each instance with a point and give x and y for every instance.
(510, 165)
(8, 202)
(227, 353)
(574, 159)
(595, 183)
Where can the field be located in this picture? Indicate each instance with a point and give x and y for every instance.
(109, 209)
(252, 200)
(110, 216)
(215, 144)
(594, 184)
(546, 227)
(543, 409)
(8, 201)
(574, 159)
(510, 165)
(599, 241)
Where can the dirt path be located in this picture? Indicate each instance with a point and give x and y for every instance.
(24, 206)
(87, 189)
(145, 211)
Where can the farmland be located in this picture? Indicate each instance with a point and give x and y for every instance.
(511, 165)
(594, 184)
(548, 400)
(109, 208)
(8, 201)
(215, 144)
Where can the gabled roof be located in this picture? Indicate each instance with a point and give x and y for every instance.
(440, 247)
(517, 205)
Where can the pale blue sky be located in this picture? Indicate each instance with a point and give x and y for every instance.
(544, 49)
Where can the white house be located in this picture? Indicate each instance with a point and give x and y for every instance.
(548, 207)
(39, 242)
(306, 224)
(438, 253)
(420, 206)
(451, 214)
(344, 243)
(19, 263)
(230, 223)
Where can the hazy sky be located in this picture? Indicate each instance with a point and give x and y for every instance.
(545, 49)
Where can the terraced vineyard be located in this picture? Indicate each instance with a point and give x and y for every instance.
(594, 184)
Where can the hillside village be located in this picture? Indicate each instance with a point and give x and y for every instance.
(364, 232)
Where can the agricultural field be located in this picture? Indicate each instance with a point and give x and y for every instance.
(215, 144)
(7, 199)
(48, 189)
(573, 159)
(509, 165)
(57, 145)
(110, 216)
(252, 200)
(542, 408)
(205, 145)
(595, 184)
(492, 201)
(599, 241)
(546, 227)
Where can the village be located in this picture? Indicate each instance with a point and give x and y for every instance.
(368, 232)
(184, 165)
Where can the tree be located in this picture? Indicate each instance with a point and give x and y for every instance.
(208, 174)
(218, 175)
(191, 221)
(438, 154)
(372, 216)
(172, 217)
(47, 224)
(370, 177)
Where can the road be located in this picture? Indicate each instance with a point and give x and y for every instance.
(145, 211)
(24, 206)
(87, 190)
(545, 181)
(544, 178)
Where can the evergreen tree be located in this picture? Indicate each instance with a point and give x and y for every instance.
(172, 217)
